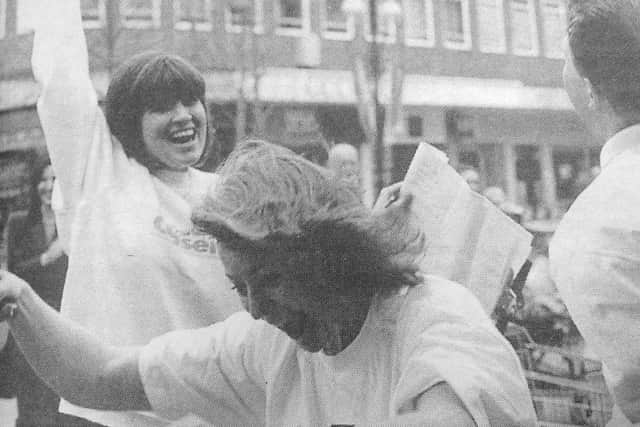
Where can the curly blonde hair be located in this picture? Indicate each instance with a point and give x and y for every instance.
(271, 201)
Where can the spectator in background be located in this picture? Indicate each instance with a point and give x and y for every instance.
(35, 254)
(566, 181)
(316, 151)
(344, 161)
(472, 177)
(595, 252)
(496, 196)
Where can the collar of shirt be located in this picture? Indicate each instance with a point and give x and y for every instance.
(622, 141)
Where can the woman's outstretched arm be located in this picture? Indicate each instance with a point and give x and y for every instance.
(67, 105)
(74, 363)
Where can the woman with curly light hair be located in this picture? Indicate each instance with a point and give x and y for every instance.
(340, 328)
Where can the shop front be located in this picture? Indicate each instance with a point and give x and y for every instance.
(540, 158)
(526, 140)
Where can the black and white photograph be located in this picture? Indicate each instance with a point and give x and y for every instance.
(321, 213)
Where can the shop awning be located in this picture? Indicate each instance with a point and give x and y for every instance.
(315, 86)
(312, 86)
(481, 93)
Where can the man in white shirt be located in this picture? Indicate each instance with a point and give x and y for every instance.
(595, 253)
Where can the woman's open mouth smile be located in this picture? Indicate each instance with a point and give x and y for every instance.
(182, 136)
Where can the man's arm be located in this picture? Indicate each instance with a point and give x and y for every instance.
(74, 363)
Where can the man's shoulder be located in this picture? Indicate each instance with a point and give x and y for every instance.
(611, 199)
(604, 218)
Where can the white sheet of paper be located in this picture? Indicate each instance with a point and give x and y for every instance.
(469, 240)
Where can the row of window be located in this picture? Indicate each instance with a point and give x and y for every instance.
(292, 17)
(419, 24)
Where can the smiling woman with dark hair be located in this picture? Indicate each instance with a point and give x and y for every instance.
(340, 330)
(152, 82)
(127, 182)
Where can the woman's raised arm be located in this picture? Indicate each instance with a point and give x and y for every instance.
(67, 105)
(78, 366)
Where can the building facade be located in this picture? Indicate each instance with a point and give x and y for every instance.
(482, 80)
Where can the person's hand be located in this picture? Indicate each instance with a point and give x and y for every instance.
(11, 287)
(388, 195)
(393, 206)
(52, 253)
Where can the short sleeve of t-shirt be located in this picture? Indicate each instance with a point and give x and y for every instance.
(458, 345)
(213, 372)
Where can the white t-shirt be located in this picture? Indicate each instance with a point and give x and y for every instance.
(595, 263)
(246, 372)
(137, 267)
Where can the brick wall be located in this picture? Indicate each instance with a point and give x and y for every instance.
(218, 49)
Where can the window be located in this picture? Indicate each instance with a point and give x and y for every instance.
(236, 18)
(457, 32)
(335, 23)
(414, 125)
(418, 22)
(554, 23)
(192, 14)
(3, 18)
(522, 23)
(292, 16)
(93, 13)
(491, 37)
(386, 25)
(140, 13)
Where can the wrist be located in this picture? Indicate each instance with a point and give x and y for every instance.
(25, 299)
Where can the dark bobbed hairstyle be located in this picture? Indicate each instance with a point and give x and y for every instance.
(274, 204)
(150, 81)
(38, 165)
(604, 38)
